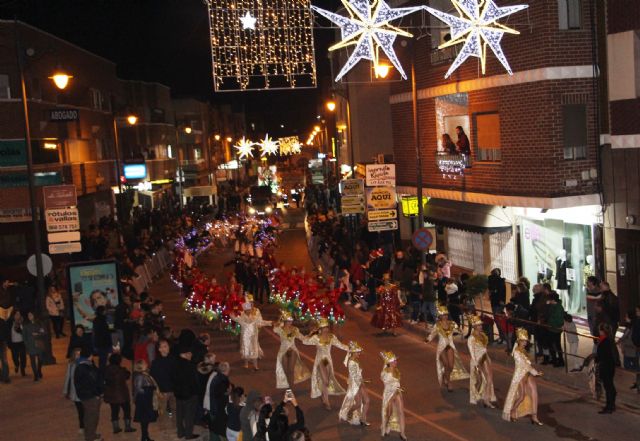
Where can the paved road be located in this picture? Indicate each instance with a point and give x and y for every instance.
(30, 411)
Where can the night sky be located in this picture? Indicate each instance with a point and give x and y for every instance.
(167, 41)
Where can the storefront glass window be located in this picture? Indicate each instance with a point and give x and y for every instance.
(561, 254)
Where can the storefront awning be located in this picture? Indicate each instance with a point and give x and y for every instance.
(478, 218)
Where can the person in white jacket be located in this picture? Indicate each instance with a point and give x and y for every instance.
(55, 309)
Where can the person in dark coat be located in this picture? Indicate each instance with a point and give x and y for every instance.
(144, 388)
(88, 390)
(34, 333)
(219, 397)
(606, 360)
(79, 339)
(185, 389)
(162, 371)
(101, 339)
(497, 294)
(5, 338)
(116, 393)
(279, 428)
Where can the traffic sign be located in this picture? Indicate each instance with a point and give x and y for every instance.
(62, 219)
(67, 236)
(47, 264)
(378, 215)
(63, 248)
(422, 239)
(386, 225)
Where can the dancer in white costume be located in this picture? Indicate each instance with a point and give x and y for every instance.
(392, 402)
(250, 322)
(481, 379)
(290, 369)
(356, 403)
(323, 379)
(522, 398)
(448, 365)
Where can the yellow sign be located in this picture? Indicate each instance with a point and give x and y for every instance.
(378, 215)
(380, 198)
(410, 205)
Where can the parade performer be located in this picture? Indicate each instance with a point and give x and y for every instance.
(522, 398)
(481, 380)
(289, 367)
(356, 402)
(392, 402)
(388, 315)
(250, 322)
(323, 380)
(448, 365)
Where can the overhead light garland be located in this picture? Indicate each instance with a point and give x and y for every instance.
(477, 27)
(245, 148)
(261, 44)
(296, 148)
(268, 146)
(368, 28)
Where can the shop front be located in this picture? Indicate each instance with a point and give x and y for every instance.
(558, 247)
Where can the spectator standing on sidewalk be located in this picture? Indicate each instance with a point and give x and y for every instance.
(162, 371)
(18, 350)
(606, 366)
(498, 295)
(185, 389)
(55, 309)
(555, 321)
(426, 281)
(69, 388)
(635, 340)
(79, 339)
(88, 387)
(116, 393)
(611, 306)
(101, 339)
(5, 338)
(34, 333)
(219, 397)
(144, 388)
(234, 407)
(593, 296)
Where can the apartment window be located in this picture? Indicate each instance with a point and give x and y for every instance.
(13, 245)
(5, 87)
(570, 14)
(96, 99)
(487, 128)
(574, 123)
(36, 89)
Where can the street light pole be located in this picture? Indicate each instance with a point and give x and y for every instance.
(35, 223)
(416, 138)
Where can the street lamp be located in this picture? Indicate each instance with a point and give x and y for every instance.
(331, 106)
(217, 137)
(132, 120)
(187, 130)
(61, 79)
(381, 70)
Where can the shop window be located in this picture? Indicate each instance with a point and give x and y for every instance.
(96, 99)
(503, 255)
(13, 245)
(574, 122)
(570, 14)
(465, 249)
(5, 87)
(487, 130)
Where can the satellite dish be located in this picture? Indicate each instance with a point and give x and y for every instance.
(47, 265)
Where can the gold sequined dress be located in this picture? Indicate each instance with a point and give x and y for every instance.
(250, 324)
(288, 343)
(353, 387)
(522, 370)
(390, 377)
(445, 340)
(323, 346)
(480, 387)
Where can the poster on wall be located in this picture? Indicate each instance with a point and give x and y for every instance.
(93, 284)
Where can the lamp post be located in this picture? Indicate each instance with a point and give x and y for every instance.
(131, 120)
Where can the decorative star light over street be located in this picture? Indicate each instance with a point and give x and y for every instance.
(478, 28)
(268, 146)
(296, 148)
(248, 22)
(245, 148)
(368, 29)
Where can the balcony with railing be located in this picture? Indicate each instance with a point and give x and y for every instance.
(452, 165)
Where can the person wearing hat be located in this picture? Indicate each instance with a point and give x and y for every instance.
(392, 402)
(356, 402)
(323, 379)
(250, 322)
(448, 365)
(522, 398)
(388, 315)
(481, 379)
(289, 366)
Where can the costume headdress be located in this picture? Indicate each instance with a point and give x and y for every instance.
(388, 357)
(522, 334)
(323, 323)
(442, 310)
(355, 347)
(475, 320)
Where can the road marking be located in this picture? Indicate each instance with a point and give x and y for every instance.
(379, 397)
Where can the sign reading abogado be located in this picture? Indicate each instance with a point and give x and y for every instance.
(380, 198)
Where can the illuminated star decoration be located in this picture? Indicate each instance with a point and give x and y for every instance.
(268, 146)
(248, 22)
(478, 28)
(368, 29)
(296, 148)
(245, 148)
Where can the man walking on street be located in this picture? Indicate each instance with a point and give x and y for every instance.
(185, 389)
(89, 390)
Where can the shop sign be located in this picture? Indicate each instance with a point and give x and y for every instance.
(352, 187)
(10, 215)
(65, 248)
(352, 204)
(12, 152)
(12, 180)
(387, 225)
(380, 198)
(62, 219)
(380, 175)
(58, 196)
(410, 205)
(66, 236)
(64, 115)
(352, 209)
(377, 215)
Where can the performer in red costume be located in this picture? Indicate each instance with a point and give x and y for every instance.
(388, 315)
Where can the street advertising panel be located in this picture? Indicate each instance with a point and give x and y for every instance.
(62, 219)
(380, 175)
(60, 196)
(93, 284)
(381, 198)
